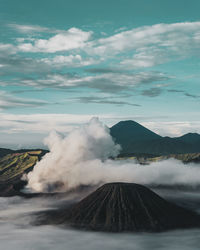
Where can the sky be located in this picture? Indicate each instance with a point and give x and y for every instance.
(63, 62)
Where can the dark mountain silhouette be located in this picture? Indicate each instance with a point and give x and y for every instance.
(136, 139)
(190, 138)
(5, 151)
(118, 207)
(125, 130)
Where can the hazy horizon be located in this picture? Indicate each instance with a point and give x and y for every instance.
(37, 141)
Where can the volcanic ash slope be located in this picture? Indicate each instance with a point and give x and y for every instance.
(118, 207)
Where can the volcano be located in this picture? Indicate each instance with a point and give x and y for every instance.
(118, 207)
(137, 140)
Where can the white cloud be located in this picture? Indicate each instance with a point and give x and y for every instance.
(166, 35)
(44, 123)
(18, 131)
(141, 47)
(173, 128)
(7, 49)
(8, 101)
(71, 39)
(31, 28)
(70, 61)
(138, 48)
(150, 45)
(146, 46)
(107, 82)
(28, 28)
(146, 57)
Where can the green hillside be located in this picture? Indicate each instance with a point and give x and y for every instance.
(14, 165)
(146, 159)
(12, 168)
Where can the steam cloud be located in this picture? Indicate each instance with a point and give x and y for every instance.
(83, 158)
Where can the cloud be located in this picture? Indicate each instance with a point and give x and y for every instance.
(103, 70)
(175, 90)
(7, 49)
(173, 128)
(29, 130)
(71, 39)
(148, 46)
(141, 47)
(14, 64)
(64, 122)
(145, 58)
(104, 100)
(44, 123)
(190, 95)
(117, 62)
(8, 101)
(31, 28)
(153, 92)
(136, 48)
(108, 82)
(185, 93)
(68, 61)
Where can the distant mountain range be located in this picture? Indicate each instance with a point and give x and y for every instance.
(135, 139)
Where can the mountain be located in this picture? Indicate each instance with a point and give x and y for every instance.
(5, 151)
(185, 158)
(124, 131)
(118, 207)
(13, 166)
(136, 139)
(190, 138)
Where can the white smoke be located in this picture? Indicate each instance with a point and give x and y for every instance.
(70, 159)
(82, 158)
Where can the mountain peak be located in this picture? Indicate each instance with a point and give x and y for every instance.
(127, 132)
(117, 207)
(132, 128)
(190, 137)
(128, 122)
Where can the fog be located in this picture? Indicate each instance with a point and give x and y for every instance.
(84, 158)
(17, 232)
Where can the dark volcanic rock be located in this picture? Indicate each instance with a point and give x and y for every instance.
(118, 207)
(12, 188)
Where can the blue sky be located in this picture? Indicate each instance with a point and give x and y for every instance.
(62, 62)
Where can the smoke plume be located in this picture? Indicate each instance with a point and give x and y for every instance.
(84, 158)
